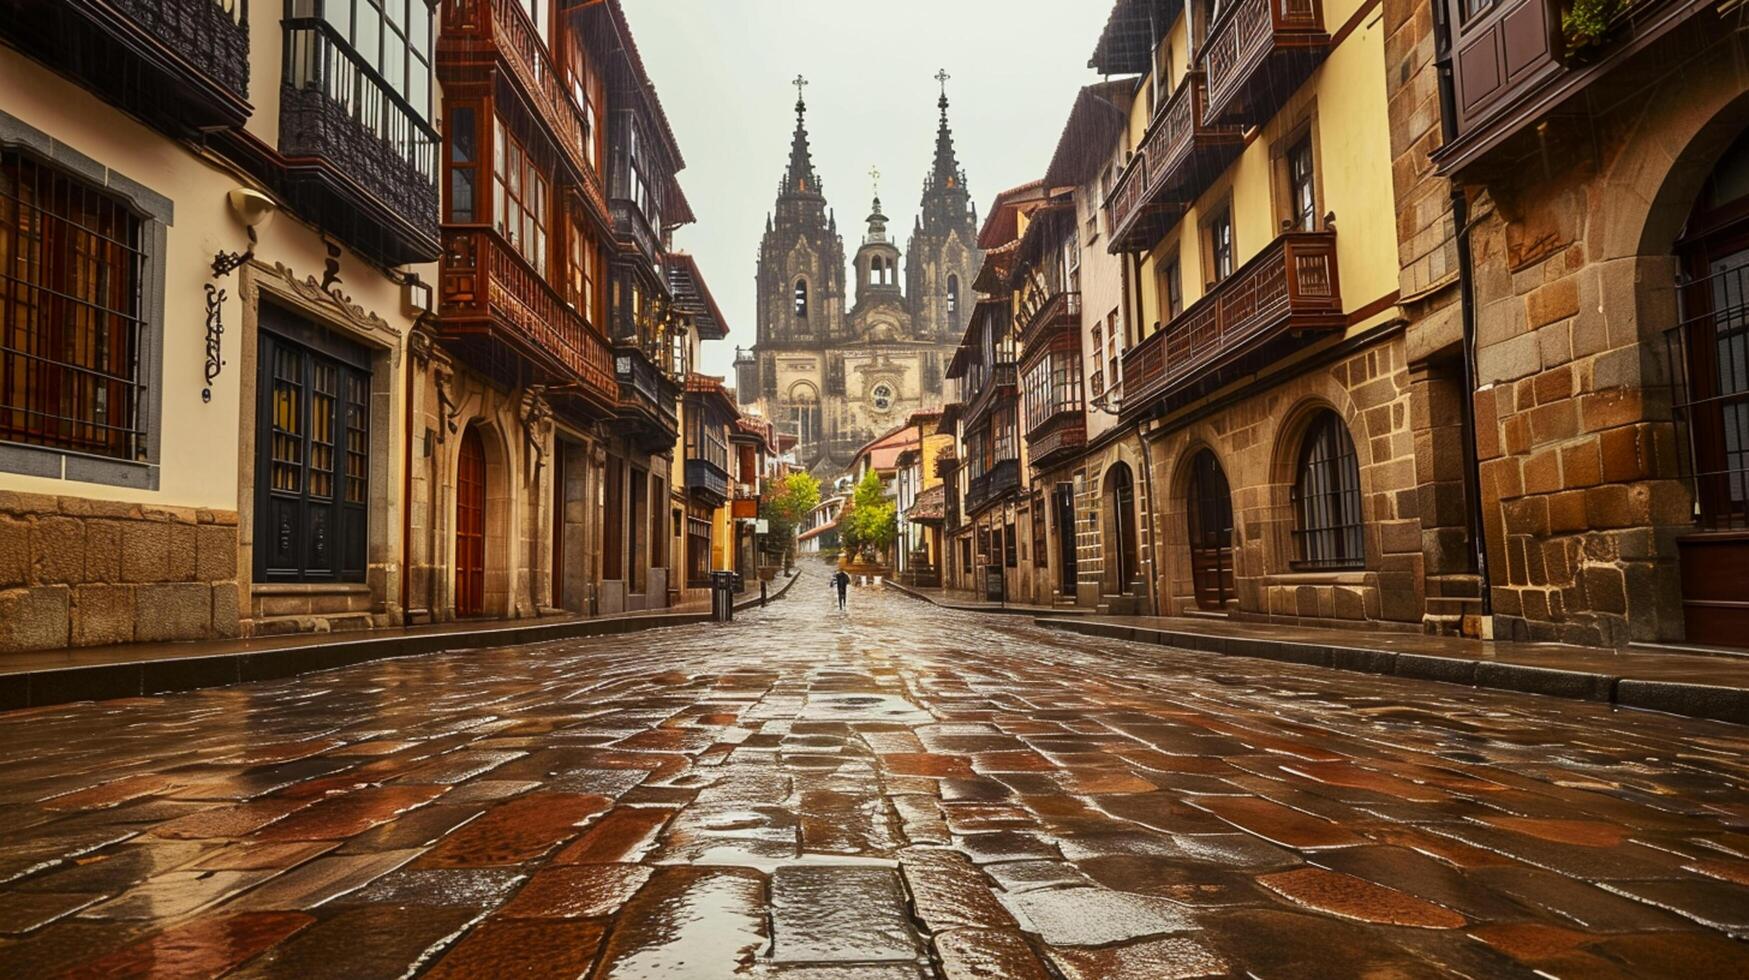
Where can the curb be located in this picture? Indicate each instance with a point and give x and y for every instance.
(103, 682)
(1692, 700)
(968, 607)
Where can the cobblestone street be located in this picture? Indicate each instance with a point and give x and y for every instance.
(895, 792)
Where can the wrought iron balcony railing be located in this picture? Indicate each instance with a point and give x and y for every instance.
(1288, 288)
(992, 484)
(181, 65)
(1060, 437)
(706, 481)
(649, 398)
(1257, 55)
(377, 156)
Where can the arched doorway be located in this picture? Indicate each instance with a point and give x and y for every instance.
(470, 526)
(1120, 501)
(1211, 532)
(1712, 357)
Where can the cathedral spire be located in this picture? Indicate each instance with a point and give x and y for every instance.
(800, 177)
(946, 174)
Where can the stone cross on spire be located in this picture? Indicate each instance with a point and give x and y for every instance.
(800, 83)
(800, 177)
(874, 175)
(943, 77)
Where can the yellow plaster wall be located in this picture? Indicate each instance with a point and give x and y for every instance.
(1345, 97)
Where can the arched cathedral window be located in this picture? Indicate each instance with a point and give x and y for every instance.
(953, 296)
(802, 298)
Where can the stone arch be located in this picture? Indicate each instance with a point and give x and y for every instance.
(1175, 518)
(1120, 516)
(1286, 449)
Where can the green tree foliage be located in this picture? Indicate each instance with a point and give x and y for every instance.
(871, 522)
(787, 508)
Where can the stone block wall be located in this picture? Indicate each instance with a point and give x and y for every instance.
(79, 572)
(1257, 442)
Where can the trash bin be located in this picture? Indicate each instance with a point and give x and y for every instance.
(723, 596)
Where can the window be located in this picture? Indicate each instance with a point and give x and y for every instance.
(72, 332)
(802, 298)
(1220, 232)
(1097, 382)
(1039, 543)
(698, 553)
(1113, 348)
(392, 36)
(519, 198)
(953, 296)
(1171, 289)
(313, 448)
(464, 165)
(1327, 497)
(1053, 386)
(1302, 194)
(582, 269)
(587, 90)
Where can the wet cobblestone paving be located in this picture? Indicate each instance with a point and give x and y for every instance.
(891, 793)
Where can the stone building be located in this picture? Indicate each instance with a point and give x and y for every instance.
(1571, 209)
(836, 365)
(357, 318)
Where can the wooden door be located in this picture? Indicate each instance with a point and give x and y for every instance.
(1064, 499)
(1211, 533)
(470, 527)
(1123, 507)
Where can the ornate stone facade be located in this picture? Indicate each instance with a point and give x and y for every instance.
(837, 376)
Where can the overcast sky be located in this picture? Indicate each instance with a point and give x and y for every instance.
(723, 70)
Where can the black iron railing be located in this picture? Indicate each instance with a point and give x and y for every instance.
(334, 105)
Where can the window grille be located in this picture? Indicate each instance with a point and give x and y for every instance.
(72, 334)
(1327, 498)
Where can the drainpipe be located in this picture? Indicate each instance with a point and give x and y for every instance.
(1460, 216)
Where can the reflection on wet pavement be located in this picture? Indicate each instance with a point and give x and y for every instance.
(898, 791)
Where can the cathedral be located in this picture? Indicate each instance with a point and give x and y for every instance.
(840, 371)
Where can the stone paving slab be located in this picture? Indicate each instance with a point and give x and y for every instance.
(895, 792)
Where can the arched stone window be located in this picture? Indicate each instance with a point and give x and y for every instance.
(1327, 521)
(953, 295)
(802, 298)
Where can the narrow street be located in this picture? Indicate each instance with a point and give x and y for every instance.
(893, 792)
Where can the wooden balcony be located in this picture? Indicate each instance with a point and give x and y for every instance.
(499, 312)
(179, 65)
(1059, 438)
(359, 159)
(706, 482)
(648, 399)
(1258, 54)
(998, 384)
(1257, 313)
(633, 231)
(1180, 155)
(1511, 69)
(992, 486)
(475, 32)
(1056, 312)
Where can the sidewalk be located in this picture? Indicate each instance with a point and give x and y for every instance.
(48, 677)
(1695, 685)
(948, 599)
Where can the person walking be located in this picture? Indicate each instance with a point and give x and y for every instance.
(842, 582)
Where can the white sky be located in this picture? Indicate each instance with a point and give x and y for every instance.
(723, 70)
